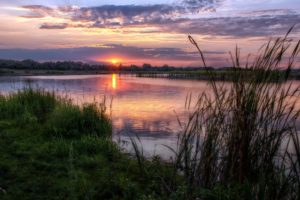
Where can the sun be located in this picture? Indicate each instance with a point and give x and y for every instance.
(115, 61)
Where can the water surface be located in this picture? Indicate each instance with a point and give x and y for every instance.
(143, 107)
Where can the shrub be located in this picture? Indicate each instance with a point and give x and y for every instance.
(69, 121)
(35, 102)
(60, 117)
(95, 121)
(65, 121)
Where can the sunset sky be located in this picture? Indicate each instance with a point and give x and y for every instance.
(136, 32)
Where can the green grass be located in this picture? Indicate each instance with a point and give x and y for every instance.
(68, 120)
(52, 149)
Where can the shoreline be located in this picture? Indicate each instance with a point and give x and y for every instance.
(200, 75)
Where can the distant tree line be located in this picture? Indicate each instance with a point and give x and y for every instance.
(81, 66)
(65, 65)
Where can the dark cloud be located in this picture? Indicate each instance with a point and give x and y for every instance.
(67, 9)
(126, 15)
(108, 15)
(54, 26)
(38, 11)
(268, 12)
(268, 25)
(259, 26)
(201, 5)
(170, 18)
(90, 53)
(112, 15)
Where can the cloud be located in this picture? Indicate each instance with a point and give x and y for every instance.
(103, 52)
(268, 25)
(237, 27)
(54, 26)
(38, 11)
(253, 13)
(122, 14)
(170, 18)
(126, 15)
(201, 5)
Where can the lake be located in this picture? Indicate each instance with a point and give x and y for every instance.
(143, 107)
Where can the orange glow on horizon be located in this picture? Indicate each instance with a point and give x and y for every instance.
(115, 61)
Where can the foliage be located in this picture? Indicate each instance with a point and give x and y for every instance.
(236, 141)
(70, 121)
(39, 104)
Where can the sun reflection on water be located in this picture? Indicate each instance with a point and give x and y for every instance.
(114, 81)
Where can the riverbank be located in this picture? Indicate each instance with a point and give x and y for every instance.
(218, 75)
(52, 149)
(43, 72)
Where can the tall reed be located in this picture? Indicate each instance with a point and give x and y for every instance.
(239, 134)
(236, 133)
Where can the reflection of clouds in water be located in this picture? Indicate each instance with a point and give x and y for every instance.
(141, 106)
(150, 146)
(156, 128)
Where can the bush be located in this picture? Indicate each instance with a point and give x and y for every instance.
(95, 121)
(29, 106)
(72, 121)
(35, 102)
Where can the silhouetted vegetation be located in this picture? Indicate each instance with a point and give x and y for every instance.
(30, 67)
(241, 141)
(81, 66)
